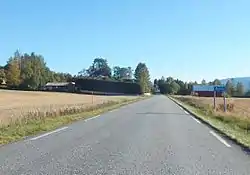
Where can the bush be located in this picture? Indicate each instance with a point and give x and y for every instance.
(229, 107)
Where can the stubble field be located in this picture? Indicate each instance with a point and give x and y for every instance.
(237, 107)
(17, 104)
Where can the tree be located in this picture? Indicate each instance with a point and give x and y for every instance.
(174, 87)
(34, 72)
(216, 82)
(240, 89)
(13, 73)
(142, 77)
(169, 80)
(229, 88)
(182, 90)
(203, 82)
(165, 88)
(83, 73)
(121, 73)
(138, 70)
(99, 68)
(2, 76)
(155, 82)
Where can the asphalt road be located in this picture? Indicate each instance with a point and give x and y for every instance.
(153, 136)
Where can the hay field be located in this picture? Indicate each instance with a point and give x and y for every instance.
(237, 107)
(15, 104)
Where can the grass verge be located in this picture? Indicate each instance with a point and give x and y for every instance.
(19, 129)
(233, 128)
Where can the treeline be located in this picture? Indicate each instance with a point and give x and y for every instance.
(29, 71)
(100, 70)
(170, 85)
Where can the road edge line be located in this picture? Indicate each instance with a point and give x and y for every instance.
(198, 121)
(244, 148)
(49, 133)
(220, 138)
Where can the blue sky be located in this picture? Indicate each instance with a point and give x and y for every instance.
(189, 40)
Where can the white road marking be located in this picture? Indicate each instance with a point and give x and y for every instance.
(220, 139)
(186, 112)
(180, 107)
(48, 133)
(91, 118)
(196, 120)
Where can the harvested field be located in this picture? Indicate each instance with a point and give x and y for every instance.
(237, 107)
(16, 104)
(235, 123)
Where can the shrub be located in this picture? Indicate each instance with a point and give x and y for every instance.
(229, 107)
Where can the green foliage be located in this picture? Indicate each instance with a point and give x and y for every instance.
(99, 68)
(13, 72)
(230, 88)
(216, 82)
(240, 89)
(203, 82)
(2, 75)
(169, 80)
(142, 77)
(155, 82)
(174, 87)
(29, 71)
(122, 73)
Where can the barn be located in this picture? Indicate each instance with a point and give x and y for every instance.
(60, 87)
(205, 91)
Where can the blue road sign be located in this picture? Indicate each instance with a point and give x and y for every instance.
(219, 88)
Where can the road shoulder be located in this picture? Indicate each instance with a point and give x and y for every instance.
(233, 134)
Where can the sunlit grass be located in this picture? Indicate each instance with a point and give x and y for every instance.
(232, 126)
(37, 121)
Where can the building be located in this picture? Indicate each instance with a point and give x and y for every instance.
(60, 87)
(205, 91)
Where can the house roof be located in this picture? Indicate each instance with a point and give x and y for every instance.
(59, 83)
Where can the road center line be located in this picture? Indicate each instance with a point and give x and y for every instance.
(220, 139)
(48, 133)
(196, 120)
(91, 118)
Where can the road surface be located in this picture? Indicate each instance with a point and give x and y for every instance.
(153, 136)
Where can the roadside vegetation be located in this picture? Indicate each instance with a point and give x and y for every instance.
(15, 105)
(36, 120)
(23, 113)
(235, 123)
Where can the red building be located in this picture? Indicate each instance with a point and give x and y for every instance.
(205, 91)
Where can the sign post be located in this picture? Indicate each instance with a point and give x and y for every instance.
(224, 100)
(214, 99)
(220, 89)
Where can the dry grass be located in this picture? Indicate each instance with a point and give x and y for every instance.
(235, 123)
(15, 105)
(238, 109)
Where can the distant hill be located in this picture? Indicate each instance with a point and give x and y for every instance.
(244, 80)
